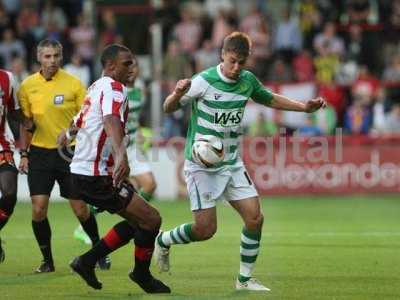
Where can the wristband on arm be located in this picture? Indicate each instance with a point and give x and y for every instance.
(23, 153)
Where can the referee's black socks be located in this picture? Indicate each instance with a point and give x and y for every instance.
(42, 232)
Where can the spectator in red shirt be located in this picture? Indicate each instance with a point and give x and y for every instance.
(303, 66)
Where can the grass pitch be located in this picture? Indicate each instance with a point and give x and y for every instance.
(312, 248)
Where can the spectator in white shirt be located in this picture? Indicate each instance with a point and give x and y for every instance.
(75, 67)
(328, 37)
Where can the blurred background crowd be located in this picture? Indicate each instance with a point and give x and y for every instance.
(347, 51)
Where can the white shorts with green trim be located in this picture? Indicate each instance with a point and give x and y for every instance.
(206, 188)
(138, 162)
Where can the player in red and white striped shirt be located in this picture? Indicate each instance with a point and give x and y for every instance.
(93, 151)
(100, 173)
(9, 108)
(8, 104)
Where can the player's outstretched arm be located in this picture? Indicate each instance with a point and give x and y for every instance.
(171, 103)
(284, 103)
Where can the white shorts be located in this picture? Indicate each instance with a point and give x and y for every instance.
(206, 188)
(138, 162)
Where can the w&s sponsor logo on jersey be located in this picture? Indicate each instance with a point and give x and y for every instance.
(230, 118)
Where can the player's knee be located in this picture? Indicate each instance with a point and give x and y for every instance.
(152, 186)
(256, 222)
(149, 187)
(81, 211)
(39, 212)
(8, 202)
(82, 214)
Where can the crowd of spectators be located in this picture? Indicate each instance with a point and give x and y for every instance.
(23, 23)
(350, 50)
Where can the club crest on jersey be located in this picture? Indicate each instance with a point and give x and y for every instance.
(58, 99)
(217, 96)
(230, 118)
(207, 197)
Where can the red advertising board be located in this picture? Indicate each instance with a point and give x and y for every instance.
(328, 165)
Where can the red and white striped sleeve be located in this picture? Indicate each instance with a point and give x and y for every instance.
(12, 103)
(113, 99)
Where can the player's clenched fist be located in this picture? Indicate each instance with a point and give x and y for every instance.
(182, 86)
(315, 104)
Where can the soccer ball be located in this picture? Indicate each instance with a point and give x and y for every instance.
(207, 151)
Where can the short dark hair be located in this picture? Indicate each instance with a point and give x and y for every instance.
(49, 43)
(110, 52)
(238, 42)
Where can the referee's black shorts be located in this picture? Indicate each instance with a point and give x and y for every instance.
(99, 191)
(46, 166)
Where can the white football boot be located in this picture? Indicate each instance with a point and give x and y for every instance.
(162, 256)
(251, 285)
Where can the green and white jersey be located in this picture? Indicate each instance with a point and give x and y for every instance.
(135, 102)
(217, 105)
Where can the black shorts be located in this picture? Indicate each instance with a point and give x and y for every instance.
(46, 166)
(100, 192)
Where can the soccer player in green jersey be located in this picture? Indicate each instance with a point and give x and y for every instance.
(218, 97)
(141, 175)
